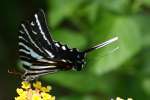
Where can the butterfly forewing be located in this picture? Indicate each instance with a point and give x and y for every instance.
(39, 26)
(35, 43)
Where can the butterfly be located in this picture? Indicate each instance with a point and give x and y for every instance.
(40, 54)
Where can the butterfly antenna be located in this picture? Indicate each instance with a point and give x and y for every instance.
(102, 44)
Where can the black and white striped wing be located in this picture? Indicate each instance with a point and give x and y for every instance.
(39, 53)
(35, 43)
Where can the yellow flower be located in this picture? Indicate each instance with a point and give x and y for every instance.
(46, 96)
(19, 91)
(53, 98)
(34, 91)
(46, 89)
(37, 85)
(20, 98)
(22, 94)
(36, 97)
(26, 85)
(129, 99)
(118, 98)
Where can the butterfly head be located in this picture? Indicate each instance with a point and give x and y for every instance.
(79, 61)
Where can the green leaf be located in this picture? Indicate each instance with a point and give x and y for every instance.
(80, 81)
(62, 9)
(119, 6)
(78, 97)
(129, 44)
(73, 81)
(146, 2)
(91, 11)
(146, 86)
(71, 38)
(144, 23)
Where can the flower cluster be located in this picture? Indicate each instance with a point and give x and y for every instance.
(34, 91)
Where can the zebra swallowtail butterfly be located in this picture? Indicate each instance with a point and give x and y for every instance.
(41, 55)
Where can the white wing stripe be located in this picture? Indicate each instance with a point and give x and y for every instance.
(26, 63)
(31, 38)
(42, 67)
(20, 43)
(22, 50)
(38, 23)
(33, 53)
(20, 37)
(56, 44)
(63, 47)
(49, 53)
(34, 32)
(21, 32)
(32, 23)
(44, 60)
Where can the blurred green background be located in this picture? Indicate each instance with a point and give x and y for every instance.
(109, 73)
